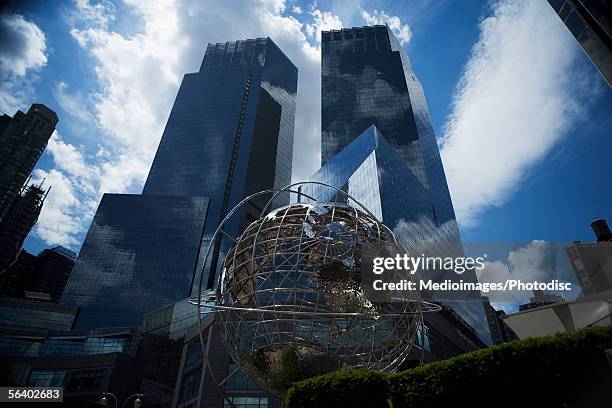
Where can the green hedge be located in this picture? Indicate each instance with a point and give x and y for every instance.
(355, 388)
(552, 371)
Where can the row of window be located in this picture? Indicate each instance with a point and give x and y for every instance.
(72, 381)
(246, 402)
(11, 346)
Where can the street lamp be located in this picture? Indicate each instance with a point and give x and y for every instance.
(104, 399)
(137, 402)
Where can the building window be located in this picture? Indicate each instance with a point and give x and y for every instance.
(239, 380)
(422, 338)
(47, 378)
(62, 347)
(246, 402)
(10, 346)
(103, 345)
(86, 380)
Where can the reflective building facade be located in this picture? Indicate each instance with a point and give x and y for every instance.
(195, 385)
(34, 313)
(370, 170)
(366, 80)
(590, 22)
(139, 254)
(230, 132)
(85, 363)
(160, 350)
(378, 144)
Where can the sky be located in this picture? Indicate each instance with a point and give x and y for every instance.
(521, 115)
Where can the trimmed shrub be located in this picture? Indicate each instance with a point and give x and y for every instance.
(354, 388)
(543, 371)
(554, 371)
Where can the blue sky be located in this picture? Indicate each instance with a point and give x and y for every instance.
(522, 117)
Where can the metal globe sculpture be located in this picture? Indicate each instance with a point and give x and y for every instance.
(289, 301)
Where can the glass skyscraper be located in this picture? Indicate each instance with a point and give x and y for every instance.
(590, 22)
(229, 134)
(378, 144)
(138, 255)
(367, 80)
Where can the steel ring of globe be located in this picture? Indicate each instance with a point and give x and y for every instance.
(216, 303)
(430, 307)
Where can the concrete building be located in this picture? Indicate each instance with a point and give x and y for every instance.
(46, 273)
(500, 332)
(588, 311)
(541, 298)
(23, 139)
(17, 223)
(592, 262)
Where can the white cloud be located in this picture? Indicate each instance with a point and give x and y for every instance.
(516, 99)
(537, 261)
(138, 77)
(22, 47)
(401, 31)
(14, 95)
(100, 13)
(513, 73)
(70, 203)
(297, 10)
(68, 158)
(512, 104)
(62, 213)
(73, 103)
(275, 6)
(22, 51)
(323, 21)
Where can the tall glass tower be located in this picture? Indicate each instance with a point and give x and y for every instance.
(367, 80)
(590, 22)
(378, 144)
(229, 134)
